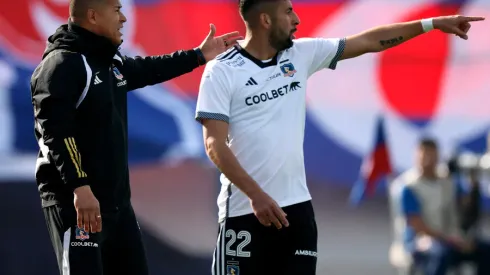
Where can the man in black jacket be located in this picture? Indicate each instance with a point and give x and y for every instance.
(80, 108)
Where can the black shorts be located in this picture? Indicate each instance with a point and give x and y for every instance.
(118, 249)
(246, 247)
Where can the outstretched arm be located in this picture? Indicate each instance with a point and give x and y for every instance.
(151, 70)
(387, 36)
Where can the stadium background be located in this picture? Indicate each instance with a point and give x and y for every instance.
(435, 85)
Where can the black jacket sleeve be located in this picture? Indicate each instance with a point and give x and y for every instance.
(143, 71)
(56, 85)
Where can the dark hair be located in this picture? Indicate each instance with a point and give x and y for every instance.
(246, 5)
(427, 142)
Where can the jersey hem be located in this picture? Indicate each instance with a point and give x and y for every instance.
(250, 210)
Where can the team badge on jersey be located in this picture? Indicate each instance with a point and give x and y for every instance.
(232, 270)
(80, 234)
(288, 69)
(117, 73)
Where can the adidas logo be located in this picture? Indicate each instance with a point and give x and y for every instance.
(251, 82)
(97, 80)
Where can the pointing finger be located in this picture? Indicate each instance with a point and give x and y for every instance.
(473, 18)
(230, 34)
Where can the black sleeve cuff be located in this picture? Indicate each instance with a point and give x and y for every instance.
(74, 184)
(199, 56)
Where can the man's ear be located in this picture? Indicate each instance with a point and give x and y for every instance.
(265, 20)
(92, 16)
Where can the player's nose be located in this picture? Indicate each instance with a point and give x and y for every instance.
(296, 20)
(123, 18)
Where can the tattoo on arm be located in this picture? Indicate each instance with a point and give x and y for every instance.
(391, 42)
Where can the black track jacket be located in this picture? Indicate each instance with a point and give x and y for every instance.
(80, 109)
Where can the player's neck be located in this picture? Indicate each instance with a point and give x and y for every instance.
(84, 24)
(258, 47)
(429, 173)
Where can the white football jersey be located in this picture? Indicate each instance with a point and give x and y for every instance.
(264, 103)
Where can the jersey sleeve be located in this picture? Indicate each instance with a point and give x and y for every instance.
(322, 52)
(410, 204)
(214, 99)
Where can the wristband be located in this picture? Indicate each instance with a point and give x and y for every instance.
(427, 24)
(200, 57)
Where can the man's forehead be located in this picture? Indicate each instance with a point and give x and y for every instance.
(283, 4)
(114, 3)
(276, 4)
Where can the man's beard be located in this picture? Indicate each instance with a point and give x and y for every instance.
(280, 44)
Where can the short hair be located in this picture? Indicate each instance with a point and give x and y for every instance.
(427, 142)
(246, 6)
(78, 8)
